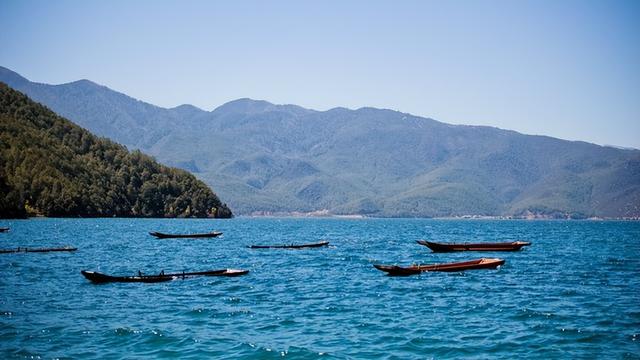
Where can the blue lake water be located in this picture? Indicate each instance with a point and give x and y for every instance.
(575, 293)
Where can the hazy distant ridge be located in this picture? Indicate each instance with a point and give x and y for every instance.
(262, 157)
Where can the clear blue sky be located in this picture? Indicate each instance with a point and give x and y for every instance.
(569, 69)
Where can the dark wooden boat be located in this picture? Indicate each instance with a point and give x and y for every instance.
(160, 235)
(41, 250)
(99, 278)
(483, 263)
(503, 246)
(4, 229)
(292, 246)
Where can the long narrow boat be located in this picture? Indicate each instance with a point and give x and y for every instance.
(503, 246)
(160, 235)
(99, 278)
(483, 263)
(17, 250)
(292, 246)
(3, 229)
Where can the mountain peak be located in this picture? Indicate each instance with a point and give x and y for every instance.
(251, 106)
(12, 78)
(84, 84)
(244, 105)
(186, 107)
(187, 110)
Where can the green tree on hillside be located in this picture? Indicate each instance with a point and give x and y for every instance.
(52, 167)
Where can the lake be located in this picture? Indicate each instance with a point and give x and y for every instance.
(574, 293)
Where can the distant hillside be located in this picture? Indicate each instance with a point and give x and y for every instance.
(52, 167)
(283, 158)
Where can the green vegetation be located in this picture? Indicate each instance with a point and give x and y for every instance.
(52, 167)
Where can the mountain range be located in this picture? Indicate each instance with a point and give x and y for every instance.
(263, 158)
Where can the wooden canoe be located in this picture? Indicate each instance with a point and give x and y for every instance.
(292, 246)
(503, 246)
(99, 278)
(483, 263)
(160, 235)
(4, 229)
(17, 250)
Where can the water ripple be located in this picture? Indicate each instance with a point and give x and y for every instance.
(573, 293)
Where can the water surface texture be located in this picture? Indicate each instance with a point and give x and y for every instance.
(575, 293)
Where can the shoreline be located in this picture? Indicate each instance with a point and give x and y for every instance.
(471, 218)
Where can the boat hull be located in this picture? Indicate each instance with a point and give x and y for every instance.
(37, 250)
(477, 264)
(99, 278)
(507, 246)
(292, 246)
(160, 235)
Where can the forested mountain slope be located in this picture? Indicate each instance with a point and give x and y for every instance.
(50, 166)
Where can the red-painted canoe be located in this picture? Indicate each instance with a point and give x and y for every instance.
(292, 246)
(160, 235)
(99, 278)
(483, 263)
(503, 246)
